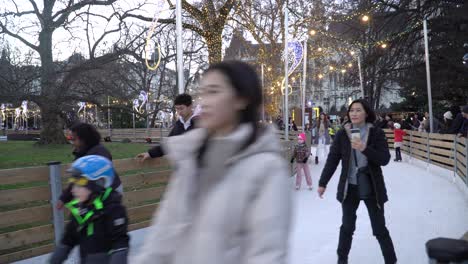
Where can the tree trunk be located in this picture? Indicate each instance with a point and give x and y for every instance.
(214, 42)
(52, 126)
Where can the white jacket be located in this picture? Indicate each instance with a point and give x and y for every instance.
(243, 217)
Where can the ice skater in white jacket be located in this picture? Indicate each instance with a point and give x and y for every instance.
(229, 199)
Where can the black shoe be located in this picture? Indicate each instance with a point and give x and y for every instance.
(342, 261)
(395, 160)
(316, 160)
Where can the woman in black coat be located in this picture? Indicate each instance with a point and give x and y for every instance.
(361, 178)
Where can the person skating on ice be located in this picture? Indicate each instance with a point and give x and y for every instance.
(301, 155)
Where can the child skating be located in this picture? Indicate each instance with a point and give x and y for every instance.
(398, 138)
(98, 219)
(301, 155)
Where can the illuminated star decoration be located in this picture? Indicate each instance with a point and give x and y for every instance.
(295, 54)
(148, 56)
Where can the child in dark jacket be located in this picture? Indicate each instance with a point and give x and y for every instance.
(301, 155)
(398, 140)
(98, 219)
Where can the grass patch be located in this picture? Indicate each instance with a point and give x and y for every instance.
(17, 154)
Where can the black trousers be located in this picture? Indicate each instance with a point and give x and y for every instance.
(398, 153)
(377, 217)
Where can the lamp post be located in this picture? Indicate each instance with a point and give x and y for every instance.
(428, 74)
(304, 80)
(180, 63)
(286, 73)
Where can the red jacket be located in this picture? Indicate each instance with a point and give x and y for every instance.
(399, 133)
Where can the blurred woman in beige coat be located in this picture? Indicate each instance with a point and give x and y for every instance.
(229, 200)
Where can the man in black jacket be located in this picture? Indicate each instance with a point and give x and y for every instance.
(186, 122)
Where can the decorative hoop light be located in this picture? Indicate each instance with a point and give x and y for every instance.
(148, 39)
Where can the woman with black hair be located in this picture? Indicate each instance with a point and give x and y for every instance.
(229, 200)
(86, 141)
(362, 150)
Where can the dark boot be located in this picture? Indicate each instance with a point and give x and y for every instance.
(316, 159)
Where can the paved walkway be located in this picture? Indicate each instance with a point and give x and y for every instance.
(423, 205)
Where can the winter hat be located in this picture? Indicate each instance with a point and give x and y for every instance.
(397, 125)
(302, 137)
(465, 109)
(448, 115)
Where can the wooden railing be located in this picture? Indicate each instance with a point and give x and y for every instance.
(26, 228)
(443, 150)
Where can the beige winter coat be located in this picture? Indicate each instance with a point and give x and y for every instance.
(242, 216)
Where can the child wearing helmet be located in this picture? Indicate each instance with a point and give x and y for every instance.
(398, 140)
(98, 219)
(301, 155)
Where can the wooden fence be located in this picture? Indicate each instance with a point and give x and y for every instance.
(26, 228)
(443, 150)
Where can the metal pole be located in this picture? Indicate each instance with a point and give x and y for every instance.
(56, 189)
(286, 88)
(304, 80)
(134, 134)
(263, 97)
(428, 73)
(108, 116)
(455, 156)
(180, 62)
(361, 78)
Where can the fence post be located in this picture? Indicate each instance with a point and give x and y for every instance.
(411, 146)
(455, 156)
(428, 151)
(55, 180)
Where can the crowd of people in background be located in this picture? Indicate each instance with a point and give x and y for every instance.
(453, 122)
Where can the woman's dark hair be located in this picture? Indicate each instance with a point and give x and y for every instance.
(87, 133)
(183, 99)
(370, 113)
(246, 83)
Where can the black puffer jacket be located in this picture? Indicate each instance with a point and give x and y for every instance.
(377, 154)
(99, 150)
(109, 240)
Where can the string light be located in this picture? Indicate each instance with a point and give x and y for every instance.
(313, 32)
(320, 76)
(383, 46)
(365, 18)
(350, 65)
(343, 71)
